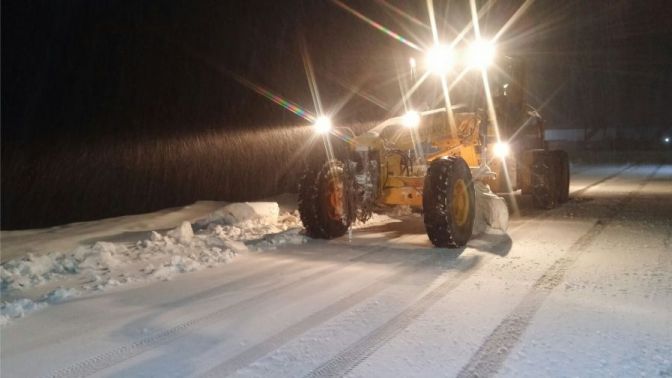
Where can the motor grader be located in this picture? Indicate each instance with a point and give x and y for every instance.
(435, 160)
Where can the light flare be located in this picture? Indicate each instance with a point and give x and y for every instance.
(492, 115)
(283, 102)
(376, 25)
(519, 13)
(481, 54)
(310, 76)
(406, 96)
(444, 84)
(322, 125)
(402, 13)
(449, 107)
(440, 59)
(501, 150)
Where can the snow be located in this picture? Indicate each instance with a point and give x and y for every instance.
(17, 309)
(127, 228)
(491, 210)
(241, 212)
(221, 235)
(581, 290)
(225, 233)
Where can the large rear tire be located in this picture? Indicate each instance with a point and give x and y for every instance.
(546, 178)
(326, 200)
(448, 202)
(563, 185)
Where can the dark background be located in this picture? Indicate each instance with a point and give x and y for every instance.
(118, 107)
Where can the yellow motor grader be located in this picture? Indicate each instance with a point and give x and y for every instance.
(438, 161)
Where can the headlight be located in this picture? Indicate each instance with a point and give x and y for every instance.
(666, 139)
(501, 150)
(322, 125)
(440, 59)
(411, 119)
(481, 54)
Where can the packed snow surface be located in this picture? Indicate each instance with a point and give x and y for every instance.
(583, 290)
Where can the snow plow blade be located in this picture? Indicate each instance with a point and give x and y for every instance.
(491, 210)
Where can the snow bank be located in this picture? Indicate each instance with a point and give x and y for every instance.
(227, 232)
(237, 213)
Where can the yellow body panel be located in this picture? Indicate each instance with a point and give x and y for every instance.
(405, 195)
(399, 187)
(399, 181)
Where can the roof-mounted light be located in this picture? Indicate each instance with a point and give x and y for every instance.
(481, 54)
(440, 59)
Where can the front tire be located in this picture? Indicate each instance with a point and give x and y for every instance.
(448, 202)
(326, 200)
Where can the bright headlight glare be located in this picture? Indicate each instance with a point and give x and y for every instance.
(481, 54)
(440, 59)
(501, 150)
(322, 125)
(411, 119)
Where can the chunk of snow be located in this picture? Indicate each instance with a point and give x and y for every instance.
(61, 294)
(236, 246)
(18, 308)
(236, 213)
(182, 233)
(292, 237)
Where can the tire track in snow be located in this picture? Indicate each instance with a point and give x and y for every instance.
(602, 180)
(125, 352)
(664, 263)
(360, 351)
(491, 355)
(349, 358)
(545, 214)
(259, 350)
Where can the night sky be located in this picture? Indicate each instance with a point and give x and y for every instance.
(100, 72)
(112, 66)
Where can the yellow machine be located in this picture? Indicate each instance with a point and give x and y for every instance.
(433, 161)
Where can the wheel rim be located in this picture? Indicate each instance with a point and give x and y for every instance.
(460, 203)
(335, 199)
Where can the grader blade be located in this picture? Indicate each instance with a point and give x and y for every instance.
(491, 210)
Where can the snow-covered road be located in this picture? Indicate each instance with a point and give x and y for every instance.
(582, 290)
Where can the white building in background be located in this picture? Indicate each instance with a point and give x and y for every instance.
(578, 135)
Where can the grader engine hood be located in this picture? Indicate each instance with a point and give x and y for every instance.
(431, 138)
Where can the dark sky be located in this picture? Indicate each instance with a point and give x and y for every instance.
(81, 67)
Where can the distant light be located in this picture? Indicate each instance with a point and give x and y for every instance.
(412, 63)
(440, 59)
(411, 119)
(481, 54)
(322, 125)
(667, 139)
(501, 150)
